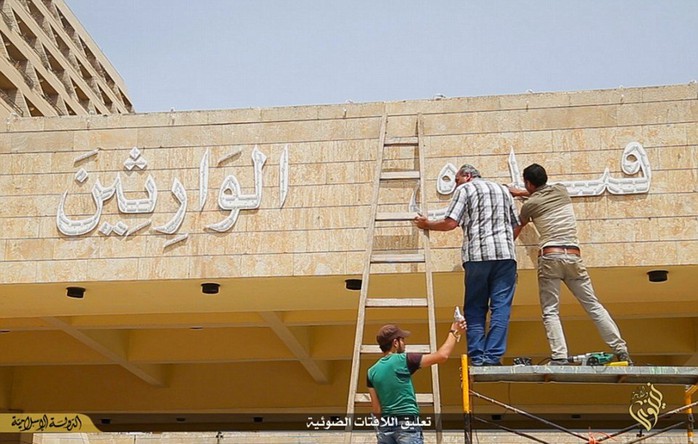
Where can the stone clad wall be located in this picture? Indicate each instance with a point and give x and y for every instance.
(320, 229)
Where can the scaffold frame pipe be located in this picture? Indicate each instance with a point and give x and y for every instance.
(687, 400)
(527, 415)
(510, 430)
(663, 415)
(654, 433)
(467, 413)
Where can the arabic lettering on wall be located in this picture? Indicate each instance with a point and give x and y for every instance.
(230, 197)
(634, 162)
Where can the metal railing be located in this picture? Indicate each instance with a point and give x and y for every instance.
(8, 20)
(6, 97)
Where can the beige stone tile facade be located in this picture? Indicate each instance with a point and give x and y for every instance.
(145, 327)
(320, 227)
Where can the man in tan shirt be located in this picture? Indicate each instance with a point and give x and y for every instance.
(550, 209)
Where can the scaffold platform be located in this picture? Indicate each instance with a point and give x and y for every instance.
(586, 374)
(583, 374)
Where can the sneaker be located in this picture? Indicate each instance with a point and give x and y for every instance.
(490, 364)
(624, 356)
(522, 360)
(558, 361)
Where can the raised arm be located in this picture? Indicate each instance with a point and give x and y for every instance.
(445, 224)
(518, 228)
(441, 355)
(518, 192)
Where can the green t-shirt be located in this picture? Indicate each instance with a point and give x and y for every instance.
(391, 377)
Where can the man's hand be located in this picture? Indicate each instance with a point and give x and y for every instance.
(421, 222)
(441, 355)
(459, 326)
(518, 192)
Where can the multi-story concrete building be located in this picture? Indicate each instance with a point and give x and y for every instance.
(49, 65)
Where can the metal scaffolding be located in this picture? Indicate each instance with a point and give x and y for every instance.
(687, 376)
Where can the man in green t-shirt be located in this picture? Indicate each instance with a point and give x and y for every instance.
(390, 382)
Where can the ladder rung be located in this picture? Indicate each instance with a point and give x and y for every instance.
(398, 141)
(397, 258)
(396, 302)
(422, 398)
(387, 217)
(411, 348)
(399, 175)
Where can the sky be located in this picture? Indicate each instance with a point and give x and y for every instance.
(224, 54)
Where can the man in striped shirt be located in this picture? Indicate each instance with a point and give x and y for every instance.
(486, 213)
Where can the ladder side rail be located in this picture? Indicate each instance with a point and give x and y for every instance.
(370, 231)
(428, 271)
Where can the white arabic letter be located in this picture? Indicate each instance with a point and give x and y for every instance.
(137, 206)
(203, 180)
(633, 162)
(446, 182)
(71, 227)
(236, 201)
(173, 225)
(594, 187)
(283, 176)
(514, 171)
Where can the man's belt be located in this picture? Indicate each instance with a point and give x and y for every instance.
(560, 250)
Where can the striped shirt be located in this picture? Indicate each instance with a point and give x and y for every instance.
(485, 211)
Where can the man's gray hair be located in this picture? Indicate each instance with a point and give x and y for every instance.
(469, 170)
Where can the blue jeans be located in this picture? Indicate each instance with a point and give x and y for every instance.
(488, 285)
(398, 435)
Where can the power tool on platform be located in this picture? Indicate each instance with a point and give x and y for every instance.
(595, 358)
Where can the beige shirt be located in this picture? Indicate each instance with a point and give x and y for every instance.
(550, 208)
